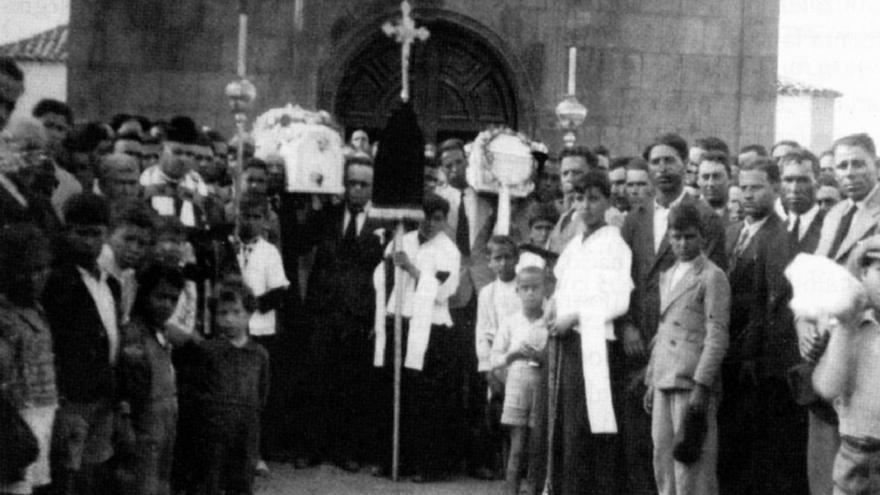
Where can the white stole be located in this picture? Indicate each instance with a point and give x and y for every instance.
(419, 324)
(594, 283)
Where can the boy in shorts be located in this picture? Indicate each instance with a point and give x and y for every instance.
(519, 347)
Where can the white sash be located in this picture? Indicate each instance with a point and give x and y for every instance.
(597, 377)
(419, 325)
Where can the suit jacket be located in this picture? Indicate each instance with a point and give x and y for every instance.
(761, 324)
(638, 232)
(475, 273)
(864, 224)
(81, 346)
(38, 212)
(341, 279)
(692, 336)
(810, 241)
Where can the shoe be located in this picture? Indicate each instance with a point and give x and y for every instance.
(262, 468)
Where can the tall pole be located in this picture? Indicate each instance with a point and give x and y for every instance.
(406, 33)
(240, 117)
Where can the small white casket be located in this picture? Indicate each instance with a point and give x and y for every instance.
(311, 148)
(501, 162)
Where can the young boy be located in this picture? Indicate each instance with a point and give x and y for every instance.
(848, 374)
(146, 381)
(496, 301)
(683, 376)
(260, 263)
(519, 348)
(430, 263)
(542, 218)
(263, 273)
(232, 386)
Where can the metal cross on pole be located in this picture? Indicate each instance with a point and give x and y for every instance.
(406, 33)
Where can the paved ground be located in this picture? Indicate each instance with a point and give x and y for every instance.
(330, 480)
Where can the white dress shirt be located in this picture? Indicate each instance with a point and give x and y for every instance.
(806, 220)
(496, 301)
(262, 271)
(361, 218)
(126, 277)
(679, 270)
(661, 220)
(106, 305)
(515, 332)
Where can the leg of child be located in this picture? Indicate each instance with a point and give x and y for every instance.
(663, 434)
(518, 436)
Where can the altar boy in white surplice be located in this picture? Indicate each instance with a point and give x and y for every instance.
(593, 289)
(429, 262)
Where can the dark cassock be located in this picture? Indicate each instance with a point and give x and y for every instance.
(593, 288)
(432, 354)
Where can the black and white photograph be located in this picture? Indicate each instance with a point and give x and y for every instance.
(439, 247)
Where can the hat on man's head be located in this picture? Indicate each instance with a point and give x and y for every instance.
(182, 130)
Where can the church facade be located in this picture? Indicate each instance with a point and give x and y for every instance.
(698, 67)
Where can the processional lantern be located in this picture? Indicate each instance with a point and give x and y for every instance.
(571, 113)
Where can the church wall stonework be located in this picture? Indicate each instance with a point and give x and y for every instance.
(699, 67)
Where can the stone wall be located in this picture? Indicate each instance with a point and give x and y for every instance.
(698, 67)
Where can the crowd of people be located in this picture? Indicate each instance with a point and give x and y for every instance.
(171, 317)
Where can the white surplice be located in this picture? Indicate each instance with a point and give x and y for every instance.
(594, 283)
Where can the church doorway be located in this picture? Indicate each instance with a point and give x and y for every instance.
(459, 86)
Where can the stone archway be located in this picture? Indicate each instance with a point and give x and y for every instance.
(460, 83)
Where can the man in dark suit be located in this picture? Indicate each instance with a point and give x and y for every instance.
(762, 430)
(81, 309)
(798, 170)
(471, 221)
(845, 224)
(340, 310)
(644, 230)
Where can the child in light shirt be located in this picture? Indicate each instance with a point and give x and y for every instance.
(519, 348)
(496, 301)
(848, 373)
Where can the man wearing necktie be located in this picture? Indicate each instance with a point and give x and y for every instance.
(847, 223)
(799, 170)
(762, 431)
(470, 227)
(339, 386)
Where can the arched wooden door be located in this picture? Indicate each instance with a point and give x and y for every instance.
(458, 85)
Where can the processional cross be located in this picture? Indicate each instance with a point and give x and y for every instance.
(406, 33)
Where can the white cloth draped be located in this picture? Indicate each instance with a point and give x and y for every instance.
(594, 283)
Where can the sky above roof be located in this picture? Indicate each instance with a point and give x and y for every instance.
(827, 43)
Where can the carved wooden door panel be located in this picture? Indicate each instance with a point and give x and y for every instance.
(458, 86)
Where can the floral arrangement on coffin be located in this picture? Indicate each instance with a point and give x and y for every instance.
(308, 143)
(501, 162)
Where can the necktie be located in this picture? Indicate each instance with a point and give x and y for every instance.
(796, 229)
(842, 231)
(742, 242)
(351, 229)
(462, 230)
